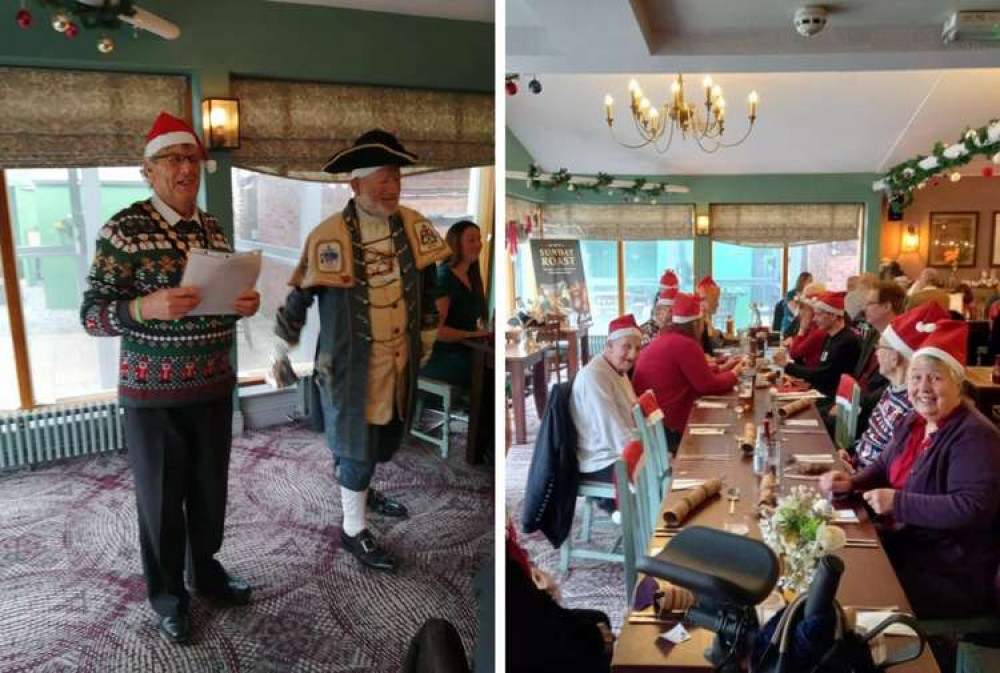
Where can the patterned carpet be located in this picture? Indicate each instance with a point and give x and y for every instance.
(73, 597)
(588, 584)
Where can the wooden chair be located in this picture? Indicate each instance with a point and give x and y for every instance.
(638, 521)
(972, 657)
(848, 403)
(549, 333)
(654, 445)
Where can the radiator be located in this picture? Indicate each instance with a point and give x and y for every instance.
(597, 343)
(40, 436)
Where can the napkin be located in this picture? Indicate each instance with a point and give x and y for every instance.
(803, 422)
(707, 431)
(704, 404)
(868, 620)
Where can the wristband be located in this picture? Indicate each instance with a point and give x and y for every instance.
(138, 309)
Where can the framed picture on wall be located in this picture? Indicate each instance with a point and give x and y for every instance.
(953, 239)
(995, 240)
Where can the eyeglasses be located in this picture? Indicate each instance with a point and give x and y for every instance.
(177, 160)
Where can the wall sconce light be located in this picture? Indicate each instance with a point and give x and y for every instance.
(911, 239)
(220, 118)
(702, 225)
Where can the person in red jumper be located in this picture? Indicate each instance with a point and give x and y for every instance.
(673, 366)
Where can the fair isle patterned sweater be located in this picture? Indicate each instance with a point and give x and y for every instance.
(163, 362)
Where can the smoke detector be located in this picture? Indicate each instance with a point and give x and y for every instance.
(810, 20)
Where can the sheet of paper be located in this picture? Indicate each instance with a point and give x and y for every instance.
(807, 395)
(685, 484)
(869, 620)
(845, 516)
(220, 278)
(815, 458)
(676, 635)
(802, 422)
(707, 431)
(704, 404)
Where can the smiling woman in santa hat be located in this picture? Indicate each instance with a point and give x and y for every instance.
(673, 366)
(935, 485)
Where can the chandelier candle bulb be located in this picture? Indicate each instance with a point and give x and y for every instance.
(609, 110)
(752, 101)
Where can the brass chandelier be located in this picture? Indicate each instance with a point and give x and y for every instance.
(656, 126)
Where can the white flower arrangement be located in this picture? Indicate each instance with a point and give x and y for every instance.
(800, 533)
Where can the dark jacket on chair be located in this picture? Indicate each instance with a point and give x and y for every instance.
(550, 495)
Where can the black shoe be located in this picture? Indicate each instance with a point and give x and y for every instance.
(233, 591)
(384, 505)
(176, 630)
(368, 551)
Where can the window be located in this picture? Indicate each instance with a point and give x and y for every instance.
(830, 263)
(746, 275)
(600, 267)
(275, 215)
(9, 398)
(56, 215)
(645, 262)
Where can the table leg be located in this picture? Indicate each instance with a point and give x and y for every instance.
(517, 399)
(573, 355)
(541, 385)
(585, 348)
(475, 408)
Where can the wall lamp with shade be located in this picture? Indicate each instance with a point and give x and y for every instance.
(220, 118)
(702, 225)
(911, 239)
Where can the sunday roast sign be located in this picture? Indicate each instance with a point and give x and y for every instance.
(559, 276)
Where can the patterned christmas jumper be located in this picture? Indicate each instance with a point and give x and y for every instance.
(163, 362)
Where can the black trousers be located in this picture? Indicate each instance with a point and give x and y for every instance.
(437, 648)
(180, 462)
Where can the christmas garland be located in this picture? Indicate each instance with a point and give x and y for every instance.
(901, 181)
(104, 15)
(563, 178)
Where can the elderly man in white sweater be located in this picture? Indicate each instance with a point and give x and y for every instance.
(602, 401)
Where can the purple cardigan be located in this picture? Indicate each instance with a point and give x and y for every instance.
(946, 541)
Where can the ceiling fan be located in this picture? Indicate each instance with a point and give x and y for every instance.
(141, 19)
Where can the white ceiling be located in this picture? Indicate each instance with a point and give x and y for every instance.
(462, 10)
(876, 87)
(814, 122)
(592, 36)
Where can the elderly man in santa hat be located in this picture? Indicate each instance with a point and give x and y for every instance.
(841, 348)
(709, 292)
(602, 400)
(175, 377)
(372, 269)
(660, 317)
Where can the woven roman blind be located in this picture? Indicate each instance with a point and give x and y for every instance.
(81, 119)
(626, 221)
(778, 224)
(292, 128)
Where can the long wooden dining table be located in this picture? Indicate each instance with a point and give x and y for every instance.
(868, 581)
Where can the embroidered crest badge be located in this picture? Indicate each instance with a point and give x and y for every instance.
(330, 256)
(427, 238)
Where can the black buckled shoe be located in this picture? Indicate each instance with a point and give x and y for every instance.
(176, 630)
(233, 591)
(367, 550)
(382, 504)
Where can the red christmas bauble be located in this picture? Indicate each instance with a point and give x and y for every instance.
(24, 18)
(988, 171)
(511, 87)
(71, 31)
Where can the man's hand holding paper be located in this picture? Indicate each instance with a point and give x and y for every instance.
(225, 282)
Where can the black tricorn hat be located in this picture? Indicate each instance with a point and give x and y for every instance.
(373, 148)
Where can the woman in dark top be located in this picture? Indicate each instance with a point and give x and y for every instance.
(461, 304)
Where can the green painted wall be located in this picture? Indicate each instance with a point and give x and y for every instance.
(709, 189)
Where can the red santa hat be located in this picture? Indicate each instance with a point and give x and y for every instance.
(169, 130)
(706, 284)
(949, 343)
(687, 308)
(668, 281)
(667, 297)
(831, 302)
(623, 326)
(909, 331)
